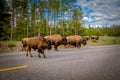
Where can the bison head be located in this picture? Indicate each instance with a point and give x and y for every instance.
(97, 38)
(48, 44)
(64, 41)
(84, 42)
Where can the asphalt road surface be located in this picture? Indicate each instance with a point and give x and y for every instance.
(86, 63)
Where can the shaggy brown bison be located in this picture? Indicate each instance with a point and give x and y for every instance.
(39, 43)
(94, 37)
(76, 40)
(56, 40)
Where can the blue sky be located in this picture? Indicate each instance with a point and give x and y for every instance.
(100, 12)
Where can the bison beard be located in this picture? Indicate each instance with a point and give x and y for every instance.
(34, 43)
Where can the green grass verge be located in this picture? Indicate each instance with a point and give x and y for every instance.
(11, 44)
(110, 40)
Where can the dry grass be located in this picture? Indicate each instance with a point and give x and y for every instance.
(4, 47)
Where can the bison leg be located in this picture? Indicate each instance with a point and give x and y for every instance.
(44, 55)
(79, 45)
(29, 52)
(42, 52)
(55, 47)
(39, 53)
(22, 48)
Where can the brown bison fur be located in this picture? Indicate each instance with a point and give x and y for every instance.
(35, 43)
(76, 40)
(94, 37)
(56, 40)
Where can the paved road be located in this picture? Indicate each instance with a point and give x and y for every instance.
(86, 63)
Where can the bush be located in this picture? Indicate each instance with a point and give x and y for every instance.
(11, 44)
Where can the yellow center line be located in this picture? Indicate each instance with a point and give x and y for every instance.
(13, 68)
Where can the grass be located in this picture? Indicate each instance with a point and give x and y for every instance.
(110, 40)
(6, 46)
(104, 40)
(11, 43)
(94, 40)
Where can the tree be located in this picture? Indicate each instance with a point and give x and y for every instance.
(77, 16)
(56, 6)
(4, 20)
(40, 17)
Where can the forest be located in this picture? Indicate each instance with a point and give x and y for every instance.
(26, 18)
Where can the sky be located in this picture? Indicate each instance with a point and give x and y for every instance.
(100, 12)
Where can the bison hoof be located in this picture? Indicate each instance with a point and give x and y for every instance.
(26, 54)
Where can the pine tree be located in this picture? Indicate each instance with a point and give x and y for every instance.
(4, 20)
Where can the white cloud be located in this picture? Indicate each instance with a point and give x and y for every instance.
(98, 25)
(99, 18)
(87, 19)
(106, 10)
(83, 3)
(96, 14)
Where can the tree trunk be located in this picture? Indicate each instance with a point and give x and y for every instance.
(63, 15)
(12, 20)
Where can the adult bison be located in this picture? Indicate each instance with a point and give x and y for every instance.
(56, 40)
(87, 37)
(39, 43)
(94, 37)
(76, 40)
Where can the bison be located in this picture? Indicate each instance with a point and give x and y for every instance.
(39, 43)
(76, 40)
(87, 37)
(56, 40)
(94, 37)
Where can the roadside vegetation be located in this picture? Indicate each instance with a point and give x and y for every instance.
(8, 46)
(11, 44)
(110, 40)
(104, 40)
